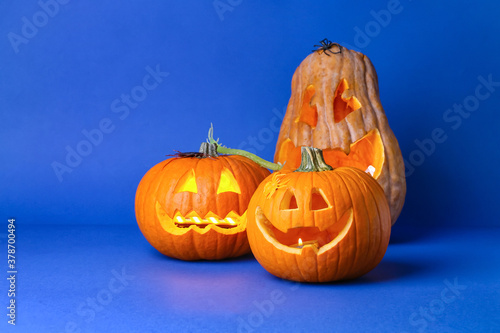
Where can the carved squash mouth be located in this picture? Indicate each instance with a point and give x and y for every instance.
(366, 154)
(312, 237)
(178, 224)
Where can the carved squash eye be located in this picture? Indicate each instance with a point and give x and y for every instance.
(187, 183)
(308, 111)
(227, 182)
(343, 101)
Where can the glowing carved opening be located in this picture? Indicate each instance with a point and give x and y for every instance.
(308, 235)
(343, 101)
(318, 200)
(180, 224)
(227, 182)
(289, 202)
(186, 222)
(308, 112)
(187, 183)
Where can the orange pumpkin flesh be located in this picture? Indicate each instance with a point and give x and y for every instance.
(334, 104)
(194, 208)
(308, 112)
(343, 101)
(341, 216)
(368, 150)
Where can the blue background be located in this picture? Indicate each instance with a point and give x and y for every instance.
(232, 67)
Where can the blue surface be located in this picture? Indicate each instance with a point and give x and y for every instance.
(65, 86)
(234, 69)
(64, 269)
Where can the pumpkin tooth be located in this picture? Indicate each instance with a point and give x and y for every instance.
(212, 214)
(310, 249)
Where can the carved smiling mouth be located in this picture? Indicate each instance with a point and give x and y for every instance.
(179, 224)
(312, 237)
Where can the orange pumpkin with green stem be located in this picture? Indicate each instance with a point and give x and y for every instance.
(318, 224)
(193, 206)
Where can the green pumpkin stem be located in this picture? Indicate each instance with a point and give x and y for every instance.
(312, 160)
(260, 161)
(224, 150)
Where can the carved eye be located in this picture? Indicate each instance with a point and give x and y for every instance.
(343, 101)
(289, 201)
(308, 111)
(187, 183)
(228, 183)
(318, 200)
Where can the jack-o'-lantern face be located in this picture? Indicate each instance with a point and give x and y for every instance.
(193, 207)
(344, 102)
(367, 153)
(316, 226)
(186, 190)
(335, 106)
(322, 229)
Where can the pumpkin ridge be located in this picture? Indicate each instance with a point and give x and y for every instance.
(372, 198)
(229, 165)
(294, 102)
(158, 183)
(386, 135)
(348, 126)
(380, 214)
(248, 164)
(354, 232)
(192, 240)
(365, 111)
(365, 211)
(248, 173)
(338, 179)
(235, 242)
(141, 194)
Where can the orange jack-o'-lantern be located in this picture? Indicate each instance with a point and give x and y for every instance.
(317, 224)
(193, 206)
(335, 106)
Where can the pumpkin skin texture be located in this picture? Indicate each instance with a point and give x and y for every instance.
(194, 208)
(341, 215)
(334, 106)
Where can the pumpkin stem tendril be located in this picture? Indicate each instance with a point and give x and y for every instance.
(224, 150)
